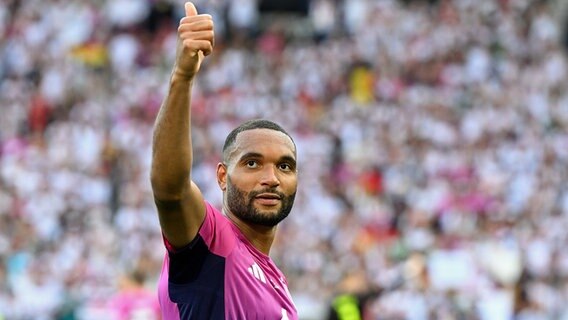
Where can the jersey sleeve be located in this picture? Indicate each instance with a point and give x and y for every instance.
(215, 231)
(192, 282)
(214, 241)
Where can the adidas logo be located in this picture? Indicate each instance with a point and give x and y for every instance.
(257, 272)
(284, 315)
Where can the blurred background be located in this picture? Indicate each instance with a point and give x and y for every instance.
(432, 137)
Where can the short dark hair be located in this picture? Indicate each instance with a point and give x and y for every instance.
(251, 125)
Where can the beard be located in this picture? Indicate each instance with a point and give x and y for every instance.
(241, 205)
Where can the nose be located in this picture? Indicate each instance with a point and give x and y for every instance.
(270, 177)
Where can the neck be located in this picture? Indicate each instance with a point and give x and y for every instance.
(261, 237)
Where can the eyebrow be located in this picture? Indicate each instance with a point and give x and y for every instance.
(257, 155)
(289, 159)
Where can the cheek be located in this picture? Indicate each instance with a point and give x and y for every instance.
(244, 183)
(291, 183)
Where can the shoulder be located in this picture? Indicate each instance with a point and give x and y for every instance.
(217, 231)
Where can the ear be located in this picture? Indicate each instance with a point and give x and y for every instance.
(222, 176)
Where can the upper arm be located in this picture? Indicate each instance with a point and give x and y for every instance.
(181, 218)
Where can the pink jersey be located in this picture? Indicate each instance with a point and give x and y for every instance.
(134, 304)
(221, 275)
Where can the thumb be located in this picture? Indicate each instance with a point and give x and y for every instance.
(190, 9)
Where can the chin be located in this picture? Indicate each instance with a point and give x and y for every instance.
(267, 214)
(272, 210)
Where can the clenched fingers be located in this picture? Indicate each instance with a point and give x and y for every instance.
(198, 45)
(197, 28)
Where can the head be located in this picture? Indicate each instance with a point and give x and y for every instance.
(258, 174)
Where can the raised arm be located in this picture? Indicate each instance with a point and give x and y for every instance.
(180, 203)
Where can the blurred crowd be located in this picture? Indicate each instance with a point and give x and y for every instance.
(432, 140)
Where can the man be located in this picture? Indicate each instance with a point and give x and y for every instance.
(217, 266)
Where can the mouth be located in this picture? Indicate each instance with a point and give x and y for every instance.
(268, 199)
(268, 196)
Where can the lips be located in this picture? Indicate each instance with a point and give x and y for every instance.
(268, 199)
(270, 196)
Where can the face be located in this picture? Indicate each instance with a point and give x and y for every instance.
(260, 179)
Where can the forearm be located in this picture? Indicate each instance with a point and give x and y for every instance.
(171, 147)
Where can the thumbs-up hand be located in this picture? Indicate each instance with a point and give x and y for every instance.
(195, 40)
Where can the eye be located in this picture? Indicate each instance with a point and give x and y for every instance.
(285, 167)
(251, 164)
